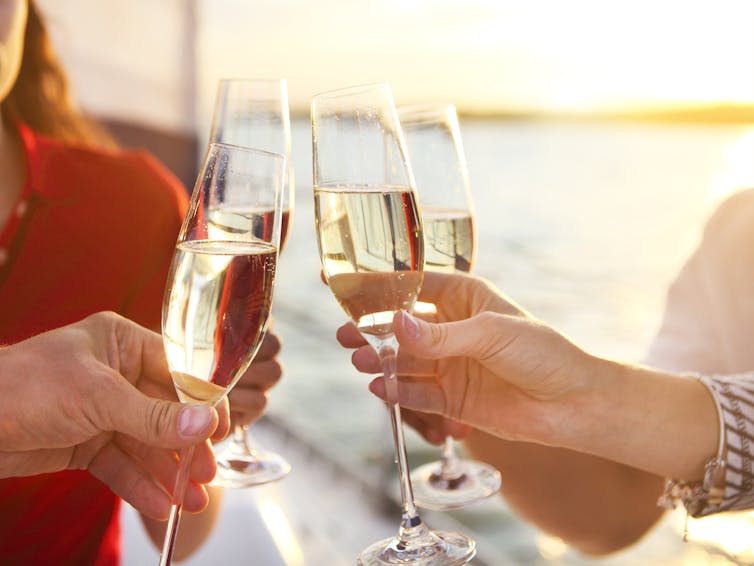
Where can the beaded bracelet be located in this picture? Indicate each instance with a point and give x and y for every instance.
(728, 476)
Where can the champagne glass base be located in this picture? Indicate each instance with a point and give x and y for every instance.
(248, 470)
(436, 549)
(473, 482)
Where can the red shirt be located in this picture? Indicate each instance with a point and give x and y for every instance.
(92, 230)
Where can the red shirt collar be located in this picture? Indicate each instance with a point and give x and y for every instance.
(33, 184)
(31, 142)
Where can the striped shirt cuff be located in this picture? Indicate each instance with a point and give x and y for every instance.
(734, 396)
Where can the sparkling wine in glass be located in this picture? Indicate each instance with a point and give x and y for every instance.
(254, 113)
(433, 138)
(369, 231)
(219, 292)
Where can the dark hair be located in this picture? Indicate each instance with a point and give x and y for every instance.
(40, 97)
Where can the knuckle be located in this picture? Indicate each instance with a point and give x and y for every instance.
(438, 334)
(100, 413)
(157, 418)
(493, 336)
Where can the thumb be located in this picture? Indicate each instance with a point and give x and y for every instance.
(470, 338)
(161, 423)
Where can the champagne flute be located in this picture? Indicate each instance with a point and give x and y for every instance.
(433, 138)
(219, 292)
(371, 246)
(254, 113)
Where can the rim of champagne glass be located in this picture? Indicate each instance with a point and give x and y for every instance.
(424, 112)
(351, 90)
(223, 145)
(281, 84)
(283, 99)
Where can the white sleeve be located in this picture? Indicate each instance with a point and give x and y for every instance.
(709, 315)
(708, 329)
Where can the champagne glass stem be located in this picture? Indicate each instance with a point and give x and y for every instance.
(411, 524)
(181, 482)
(239, 437)
(449, 461)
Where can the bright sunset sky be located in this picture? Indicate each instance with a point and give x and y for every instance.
(132, 57)
(492, 55)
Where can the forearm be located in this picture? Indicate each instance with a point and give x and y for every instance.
(655, 421)
(595, 505)
(595, 477)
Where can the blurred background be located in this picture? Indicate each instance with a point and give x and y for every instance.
(599, 136)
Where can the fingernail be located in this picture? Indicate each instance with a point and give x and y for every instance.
(194, 420)
(410, 325)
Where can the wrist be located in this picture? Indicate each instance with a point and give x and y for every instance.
(655, 421)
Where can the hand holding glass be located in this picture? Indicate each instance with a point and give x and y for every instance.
(372, 251)
(219, 291)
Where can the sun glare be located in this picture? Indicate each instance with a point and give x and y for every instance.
(281, 531)
(588, 54)
(498, 55)
(738, 169)
(734, 534)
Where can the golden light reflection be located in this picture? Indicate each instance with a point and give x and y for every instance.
(551, 548)
(280, 529)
